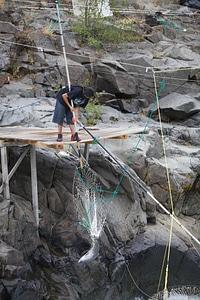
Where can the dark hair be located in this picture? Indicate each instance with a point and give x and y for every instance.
(88, 91)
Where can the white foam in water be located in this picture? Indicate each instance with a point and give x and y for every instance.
(175, 297)
(183, 297)
(179, 293)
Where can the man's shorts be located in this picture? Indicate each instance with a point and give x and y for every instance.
(59, 114)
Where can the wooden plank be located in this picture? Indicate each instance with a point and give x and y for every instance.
(100, 138)
(86, 151)
(46, 137)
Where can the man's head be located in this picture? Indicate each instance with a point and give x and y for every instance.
(88, 92)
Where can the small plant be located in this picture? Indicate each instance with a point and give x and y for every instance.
(92, 42)
(47, 30)
(15, 70)
(97, 31)
(93, 110)
(86, 82)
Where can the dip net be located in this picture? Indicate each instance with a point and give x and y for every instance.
(88, 200)
(179, 293)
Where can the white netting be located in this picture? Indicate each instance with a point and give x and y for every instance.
(88, 200)
(179, 293)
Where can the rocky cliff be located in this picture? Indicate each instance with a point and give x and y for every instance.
(42, 263)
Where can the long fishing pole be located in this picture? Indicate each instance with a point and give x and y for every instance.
(67, 71)
(63, 46)
(140, 185)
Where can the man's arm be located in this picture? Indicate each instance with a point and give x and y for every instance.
(66, 99)
(76, 110)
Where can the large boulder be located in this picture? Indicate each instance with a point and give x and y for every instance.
(191, 3)
(16, 110)
(178, 106)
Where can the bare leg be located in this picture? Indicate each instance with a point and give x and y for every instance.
(72, 129)
(60, 129)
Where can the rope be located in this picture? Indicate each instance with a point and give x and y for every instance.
(126, 265)
(139, 140)
(95, 141)
(40, 49)
(126, 172)
(169, 186)
(141, 186)
(166, 23)
(24, 106)
(114, 8)
(162, 269)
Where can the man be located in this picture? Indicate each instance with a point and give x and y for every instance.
(80, 97)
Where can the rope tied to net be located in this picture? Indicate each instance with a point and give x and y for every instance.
(166, 23)
(95, 140)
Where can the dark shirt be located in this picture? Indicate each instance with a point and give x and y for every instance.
(75, 95)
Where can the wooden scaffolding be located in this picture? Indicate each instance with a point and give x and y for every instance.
(45, 137)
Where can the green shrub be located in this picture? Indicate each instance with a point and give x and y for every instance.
(93, 110)
(95, 30)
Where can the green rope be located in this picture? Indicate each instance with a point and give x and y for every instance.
(166, 23)
(95, 141)
(54, 24)
(86, 226)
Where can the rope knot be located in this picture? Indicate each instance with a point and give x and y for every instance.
(96, 140)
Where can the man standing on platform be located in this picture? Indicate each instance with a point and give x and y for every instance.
(64, 107)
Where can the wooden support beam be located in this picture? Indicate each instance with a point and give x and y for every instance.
(34, 183)
(4, 166)
(18, 162)
(86, 151)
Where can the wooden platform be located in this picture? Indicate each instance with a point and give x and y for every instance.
(46, 137)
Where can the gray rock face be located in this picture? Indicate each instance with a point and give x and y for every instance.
(121, 72)
(128, 234)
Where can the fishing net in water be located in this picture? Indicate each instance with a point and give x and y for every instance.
(179, 293)
(88, 200)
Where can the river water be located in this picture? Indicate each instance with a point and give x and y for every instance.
(174, 297)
